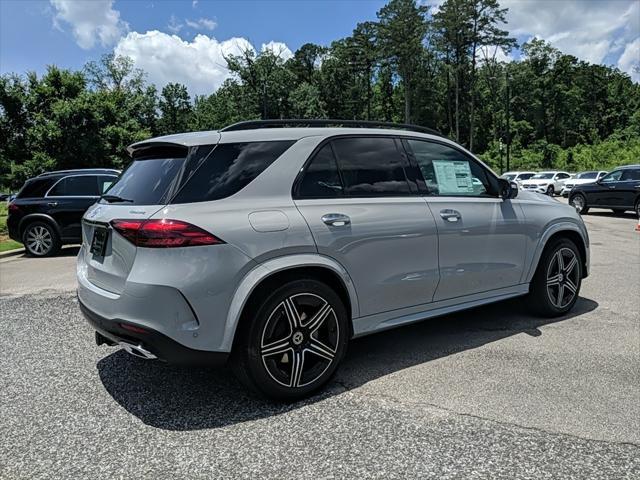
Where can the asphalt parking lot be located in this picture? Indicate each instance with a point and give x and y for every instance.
(490, 393)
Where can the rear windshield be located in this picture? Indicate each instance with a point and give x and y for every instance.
(587, 175)
(36, 187)
(228, 169)
(147, 181)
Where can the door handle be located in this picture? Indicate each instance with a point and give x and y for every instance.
(53, 204)
(336, 219)
(450, 215)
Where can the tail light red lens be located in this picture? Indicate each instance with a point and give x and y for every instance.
(163, 233)
(13, 207)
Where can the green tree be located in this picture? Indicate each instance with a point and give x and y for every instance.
(402, 26)
(175, 108)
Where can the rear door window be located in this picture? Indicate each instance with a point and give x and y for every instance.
(228, 169)
(630, 175)
(371, 167)
(76, 186)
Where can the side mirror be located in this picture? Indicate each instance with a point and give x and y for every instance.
(507, 189)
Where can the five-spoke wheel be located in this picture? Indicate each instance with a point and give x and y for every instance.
(562, 277)
(294, 342)
(299, 340)
(556, 284)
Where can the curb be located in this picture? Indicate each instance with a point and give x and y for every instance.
(11, 253)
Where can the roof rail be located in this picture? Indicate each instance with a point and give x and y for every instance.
(320, 122)
(88, 170)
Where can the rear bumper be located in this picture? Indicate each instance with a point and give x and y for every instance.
(13, 228)
(161, 346)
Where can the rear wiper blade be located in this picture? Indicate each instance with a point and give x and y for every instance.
(115, 198)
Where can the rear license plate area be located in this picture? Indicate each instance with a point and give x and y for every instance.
(99, 241)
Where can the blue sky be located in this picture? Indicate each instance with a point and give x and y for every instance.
(185, 41)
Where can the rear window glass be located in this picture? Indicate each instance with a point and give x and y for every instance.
(80, 186)
(147, 181)
(36, 188)
(228, 169)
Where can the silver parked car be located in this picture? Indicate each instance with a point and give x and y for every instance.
(271, 248)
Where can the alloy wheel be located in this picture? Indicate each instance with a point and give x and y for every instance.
(39, 240)
(578, 203)
(300, 340)
(563, 277)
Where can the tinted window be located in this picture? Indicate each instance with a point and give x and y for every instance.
(36, 188)
(562, 176)
(447, 171)
(371, 167)
(104, 182)
(587, 175)
(321, 178)
(228, 169)
(79, 186)
(147, 181)
(612, 177)
(525, 176)
(631, 174)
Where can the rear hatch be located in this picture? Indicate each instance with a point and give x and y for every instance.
(143, 189)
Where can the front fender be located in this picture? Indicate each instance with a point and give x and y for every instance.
(262, 271)
(548, 232)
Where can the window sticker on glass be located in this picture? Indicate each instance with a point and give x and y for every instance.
(453, 176)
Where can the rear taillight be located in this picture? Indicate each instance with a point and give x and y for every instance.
(163, 233)
(14, 208)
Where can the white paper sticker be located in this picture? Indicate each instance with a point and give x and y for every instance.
(453, 176)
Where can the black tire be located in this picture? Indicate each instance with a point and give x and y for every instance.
(551, 299)
(551, 190)
(637, 209)
(40, 239)
(273, 374)
(582, 207)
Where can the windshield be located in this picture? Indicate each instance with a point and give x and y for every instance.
(148, 181)
(509, 176)
(586, 175)
(544, 175)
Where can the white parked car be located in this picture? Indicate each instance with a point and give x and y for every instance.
(517, 177)
(582, 178)
(550, 182)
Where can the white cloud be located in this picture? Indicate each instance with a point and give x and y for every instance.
(194, 4)
(202, 24)
(278, 48)
(90, 21)
(174, 25)
(492, 51)
(200, 64)
(629, 61)
(595, 31)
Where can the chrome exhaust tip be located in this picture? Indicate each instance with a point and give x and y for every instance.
(137, 351)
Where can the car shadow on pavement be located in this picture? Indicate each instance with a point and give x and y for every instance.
(176, 398)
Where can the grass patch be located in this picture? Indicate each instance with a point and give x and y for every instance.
(5, 242)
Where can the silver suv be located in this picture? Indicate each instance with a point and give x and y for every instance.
(271, 248)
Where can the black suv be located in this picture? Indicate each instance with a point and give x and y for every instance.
(47, 211)
(618, 190)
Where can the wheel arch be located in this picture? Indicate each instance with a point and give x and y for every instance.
(266, 276)
(38, 217)
(562, 230)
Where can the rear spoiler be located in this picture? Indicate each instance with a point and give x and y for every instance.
(180, 140)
